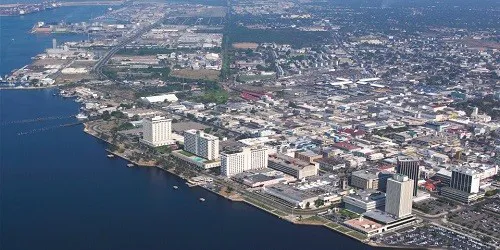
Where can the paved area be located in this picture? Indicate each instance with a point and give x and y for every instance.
(431, 236)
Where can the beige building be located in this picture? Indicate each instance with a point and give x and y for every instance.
(307, 156)
(399, 196)
(157, 131)
(292, 166)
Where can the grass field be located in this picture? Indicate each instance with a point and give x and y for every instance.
(203, 74)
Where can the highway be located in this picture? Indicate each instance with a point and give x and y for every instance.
(97, 69)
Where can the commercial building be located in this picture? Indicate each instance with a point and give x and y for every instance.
(398, 208)
(195, 161)
(410, 167)
(370, 179)
(331, 163)
(238, 161)
(201, 144)
(260, 177)
(363, 201)
(160, 98)
(399, 196)
(464, 185)
(465, 179)
(292, 166)
(308, 156)
(291, 195)
(157, 131)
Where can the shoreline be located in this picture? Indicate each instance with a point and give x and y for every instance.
(316, 221)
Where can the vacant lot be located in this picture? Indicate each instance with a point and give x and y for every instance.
(245, 45)
(204, 74)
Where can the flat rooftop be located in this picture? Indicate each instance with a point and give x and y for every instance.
(290, 192)
(288, 161)
(363, 224)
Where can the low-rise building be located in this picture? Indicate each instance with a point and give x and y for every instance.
(363, 201)
(372, 178)
(292, 166)
(291, 195)
(308, 156)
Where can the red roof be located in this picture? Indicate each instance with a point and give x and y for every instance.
(345, 145)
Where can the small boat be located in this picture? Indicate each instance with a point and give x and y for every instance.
(130, 165)
(202, 199)
(176, 187)
(111, 155)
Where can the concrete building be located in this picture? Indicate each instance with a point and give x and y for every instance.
(201, 144)
(399, 196)
(157, 131)
(410, 167)
(160, 98)
(292, 166)
(465, 179)
(239, 161)
(291, 195)
(331, 163)
(464, 185)
(363, 201)
(370, 179)
(308, 156)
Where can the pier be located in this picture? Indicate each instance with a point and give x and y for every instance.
(40, 119)
(38, 130)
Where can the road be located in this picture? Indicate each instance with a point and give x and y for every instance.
(97, 69)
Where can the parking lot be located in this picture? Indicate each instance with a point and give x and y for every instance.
(430, 236)
(434, 207)
(477, 220)
(492, 206)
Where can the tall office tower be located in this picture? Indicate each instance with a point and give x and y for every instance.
(465, 179)
(399, 196)
(157, 131)
(54, 43)
(238, 161)
(201, 144)
(475, 111)
(409, 166)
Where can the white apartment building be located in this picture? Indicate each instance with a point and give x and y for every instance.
(399, 196)
(157, 131)
(201, 144)
(236, 162)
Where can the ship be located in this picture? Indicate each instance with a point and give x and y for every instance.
(81, 116)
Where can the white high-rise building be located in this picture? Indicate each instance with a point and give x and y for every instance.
(201, 144)
(157, 131)
(236, 162)
(465, 179)
(399, 195)
(464, 185)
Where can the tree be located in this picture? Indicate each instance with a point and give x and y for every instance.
(106, 116)
(308, 204)
(292, 105)
(136, 118)
(319, 203)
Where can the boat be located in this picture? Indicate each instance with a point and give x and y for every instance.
(176, 187)
(202, 199)
(81, 116)
(130, 165)
(111, 155)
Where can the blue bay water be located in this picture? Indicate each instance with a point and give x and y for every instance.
(59, 191)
